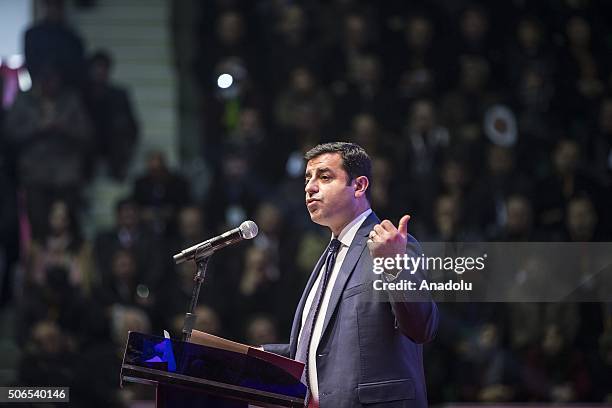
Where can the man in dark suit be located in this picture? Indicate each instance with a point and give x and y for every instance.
(359, 350)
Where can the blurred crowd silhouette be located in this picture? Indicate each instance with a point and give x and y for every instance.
(485, 122)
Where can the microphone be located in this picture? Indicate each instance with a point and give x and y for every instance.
(246, 230)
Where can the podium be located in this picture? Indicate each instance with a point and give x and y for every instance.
(191, 375)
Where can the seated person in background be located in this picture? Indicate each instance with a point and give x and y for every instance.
(62, 246)
(129, 233)
(160, 192)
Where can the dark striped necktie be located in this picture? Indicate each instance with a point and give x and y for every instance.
(308, 327)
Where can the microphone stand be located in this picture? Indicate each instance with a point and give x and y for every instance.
(190, 317)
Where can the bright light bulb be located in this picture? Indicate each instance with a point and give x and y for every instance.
(25, 82)
(15, 61)
(225, 81)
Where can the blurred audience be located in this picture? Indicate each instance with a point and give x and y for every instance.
(112, 114)
(131, 234)
(51, 134)
(62, 246)
(126, 285)
(566, 181)
(554, 371)
(207, 321)
(261, 329)
(303, 93)
(159, 193)
(52, 44)
(483, 122)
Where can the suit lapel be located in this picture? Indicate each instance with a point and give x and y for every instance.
(297, 319)
(348, 266)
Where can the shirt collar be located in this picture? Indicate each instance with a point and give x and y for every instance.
(348, 233)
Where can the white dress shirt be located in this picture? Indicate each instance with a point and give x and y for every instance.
(346, 238)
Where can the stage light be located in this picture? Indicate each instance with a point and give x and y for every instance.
(24, 79)
(500, 125)
(225, 81)
(15, 61)
(142, 291)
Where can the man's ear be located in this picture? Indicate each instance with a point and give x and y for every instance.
(361, 184)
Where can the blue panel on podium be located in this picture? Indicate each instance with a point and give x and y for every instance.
(222, 373)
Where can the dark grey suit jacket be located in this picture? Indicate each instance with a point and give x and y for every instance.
(370, 353)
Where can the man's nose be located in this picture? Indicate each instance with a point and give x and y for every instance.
(311, 187)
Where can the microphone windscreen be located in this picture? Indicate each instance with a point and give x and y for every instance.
(248, 229)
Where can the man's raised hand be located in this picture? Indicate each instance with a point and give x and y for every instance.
(387, 241)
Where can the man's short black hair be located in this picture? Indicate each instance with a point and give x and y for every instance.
(355, 160)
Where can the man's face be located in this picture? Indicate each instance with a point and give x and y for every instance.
(330, 199)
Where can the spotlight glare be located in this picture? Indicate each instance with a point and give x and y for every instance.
(142, 291)
(15, 61)
(24, 80)
(225, 81)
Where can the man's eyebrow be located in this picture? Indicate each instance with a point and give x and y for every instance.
(318, 171)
